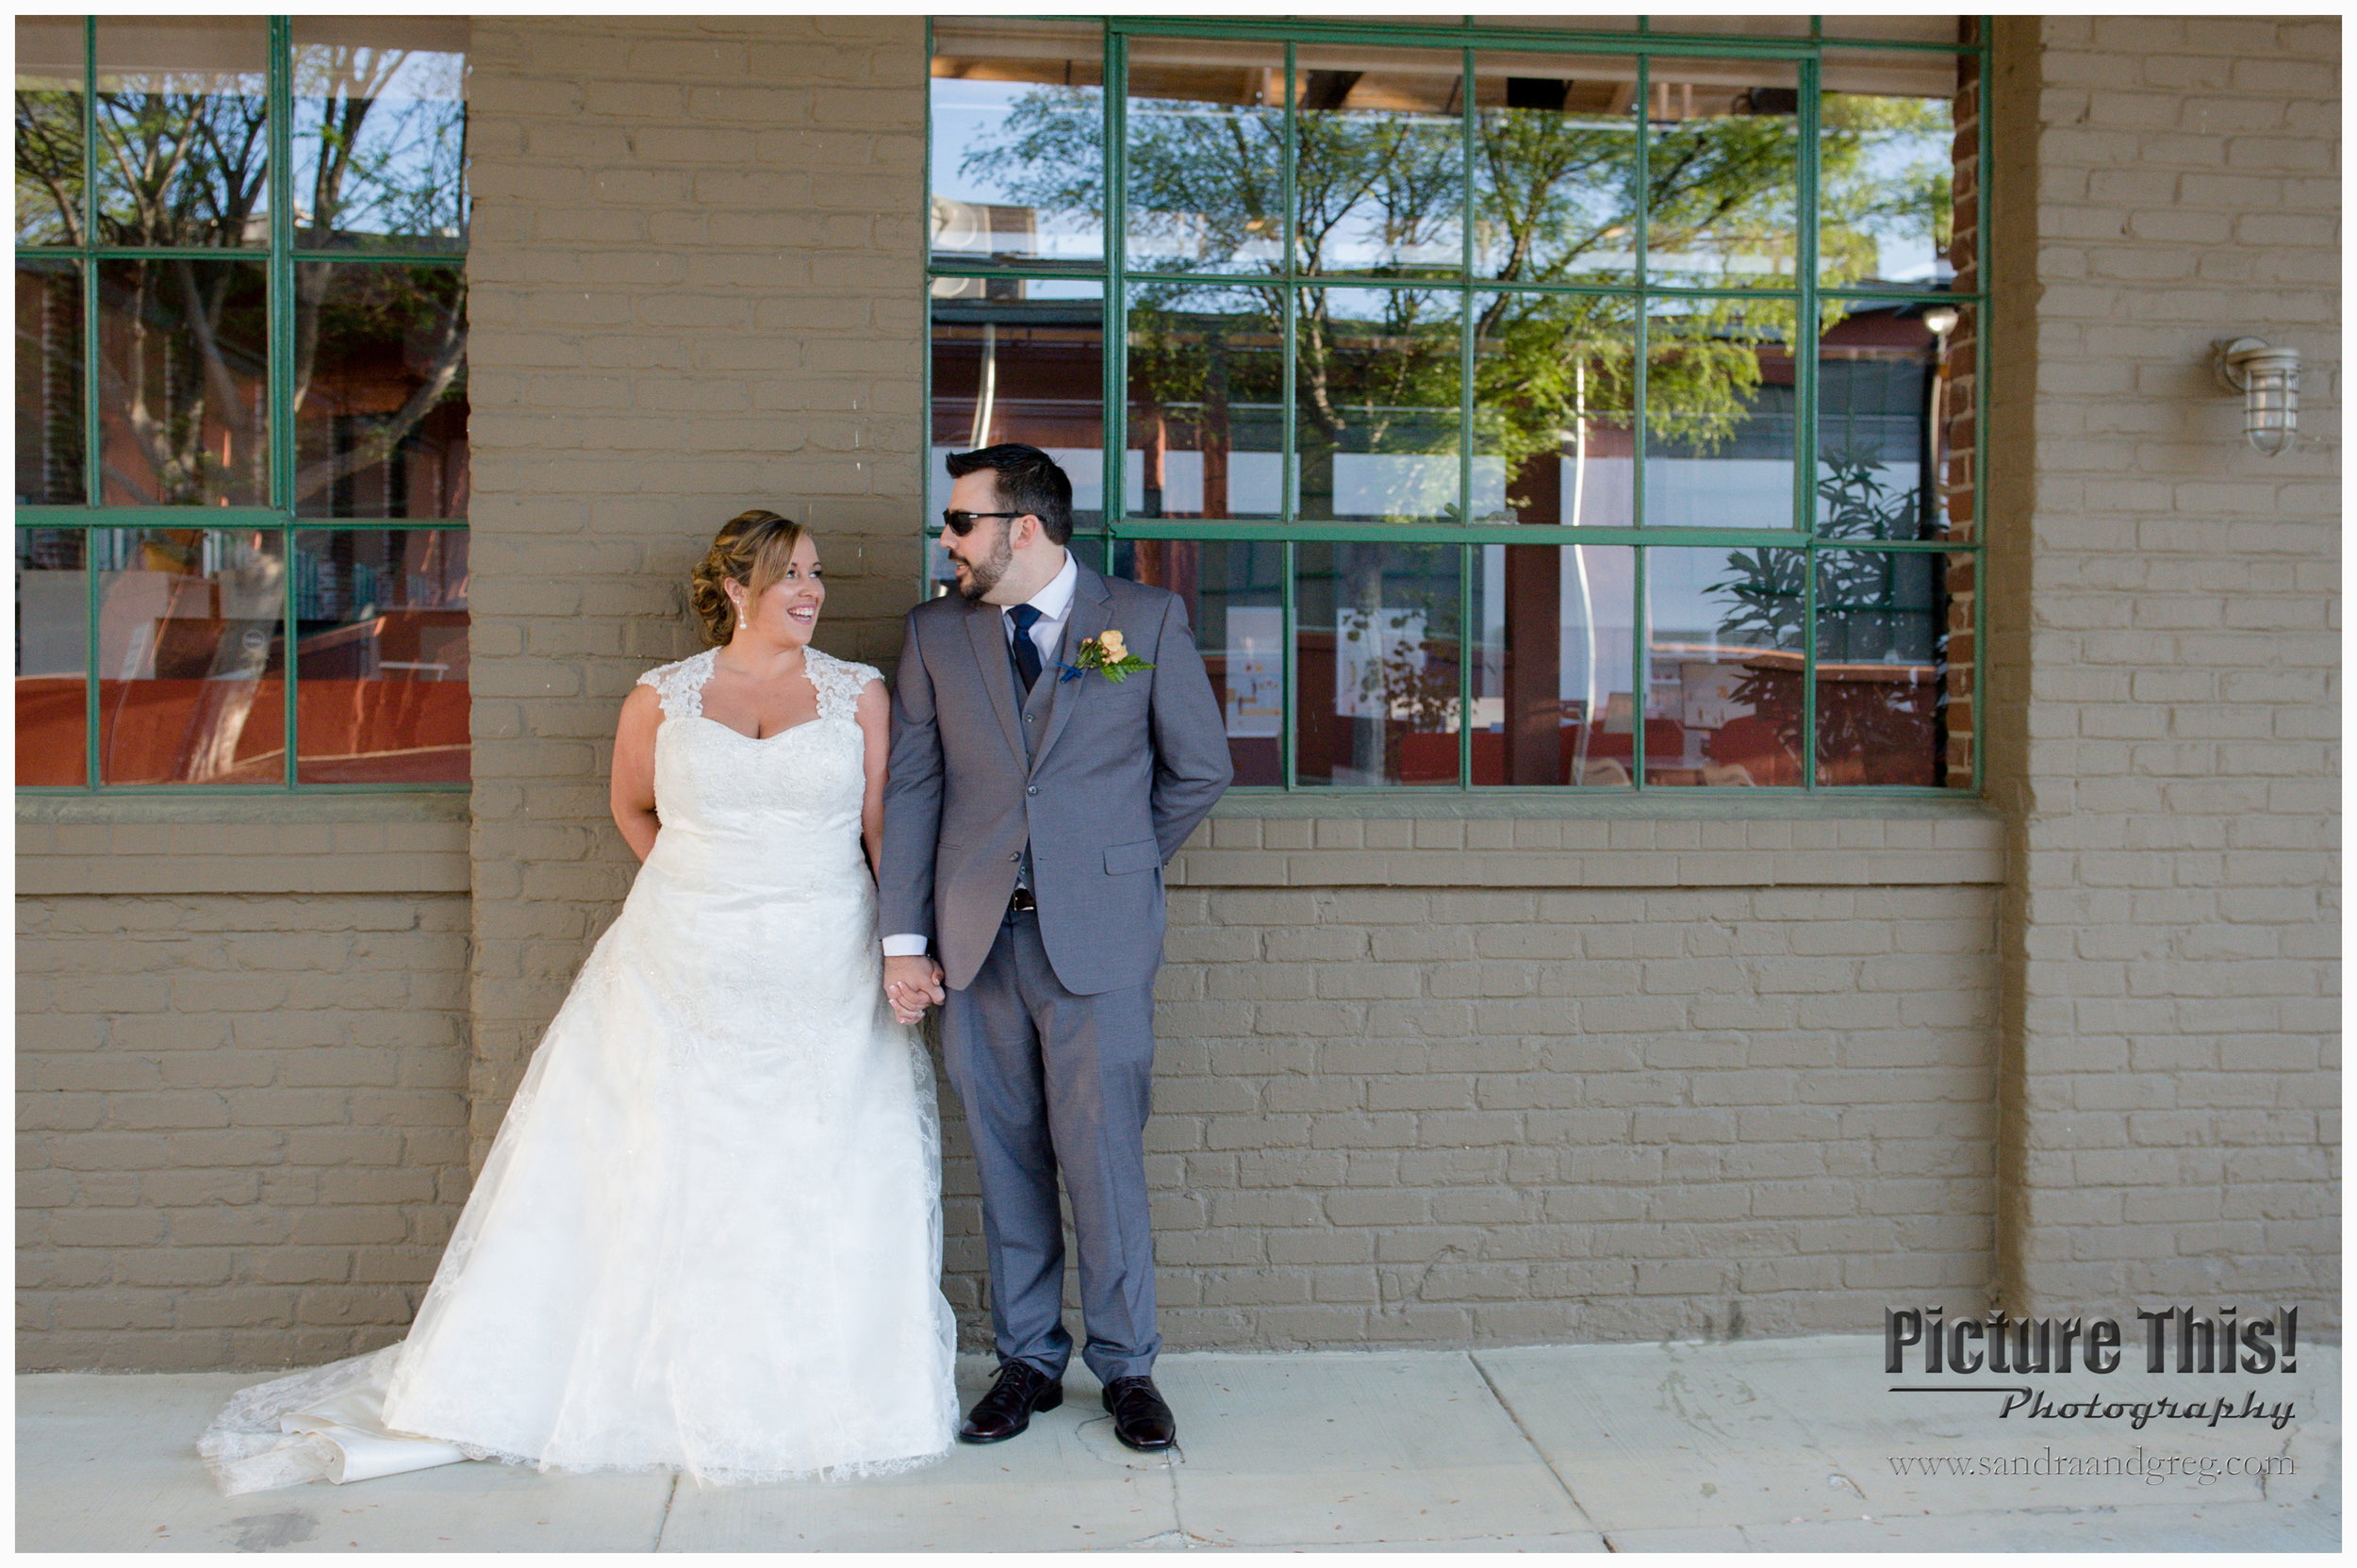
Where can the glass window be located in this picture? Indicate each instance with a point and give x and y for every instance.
(1882, 667)
(183, 117)
(1376, 652)
(1723, 172)
(1205, 157)
(1721, 406)
(191, 655)
(1553, 693)
(380, 133)
(1723, 667)
(1486, 386)
(51, 656)
(49, 436)
(183, 357)
(381, 655)
(1234, 591)
(1207, 404)
(1018, 147)
(49, 96)
(1378, 161)
(1022, 361)
(1555, 167)
(200, 400)
(380, 391)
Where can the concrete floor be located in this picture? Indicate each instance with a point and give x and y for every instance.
(1771, 1445)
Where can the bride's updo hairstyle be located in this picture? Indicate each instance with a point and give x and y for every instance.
(752, 549)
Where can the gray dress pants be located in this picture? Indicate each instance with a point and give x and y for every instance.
(1052, 1081)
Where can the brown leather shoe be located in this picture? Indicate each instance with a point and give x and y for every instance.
(1006, 1410)
(1140, 1420)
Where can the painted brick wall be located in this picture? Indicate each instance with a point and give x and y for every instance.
(1389, 1113)
(2171, 639)
(241, 1124)
(696, 288)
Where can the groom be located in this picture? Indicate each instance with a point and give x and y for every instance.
(1032, 802)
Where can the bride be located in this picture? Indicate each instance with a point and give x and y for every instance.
(708, 1236)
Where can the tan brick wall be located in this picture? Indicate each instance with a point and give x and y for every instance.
(1387, 1114)
(2172, 756)
(240, 1122)
(696, 287)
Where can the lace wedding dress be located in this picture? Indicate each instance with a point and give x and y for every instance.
(708, 1237)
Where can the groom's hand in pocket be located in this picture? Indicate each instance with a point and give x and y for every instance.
(910, 985)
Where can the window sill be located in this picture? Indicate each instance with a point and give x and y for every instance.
(1414, 838)
(134, 845)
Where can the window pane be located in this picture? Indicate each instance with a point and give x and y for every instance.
(1902, 30)
(1378, 372)
(1721, 415)
(1889, 386)
(1893, 165)
(183, 132)
(48, 130)
(1739, 26)
(1560, 23)
(1019, 141)
(1235, 598)
(51, 657)
(1376, 653)
(1723, 680)
(1882, 670)
(1553, 665)
(1206, 156)
(1553, 425)
(380, 391)
(191, 651)
(183, 349)
(1555, 167)
(1723, 175)
(1379, 168)
(1206, 417)
(1022, 362)
(381, 656)
(49, 433)
(380, 132)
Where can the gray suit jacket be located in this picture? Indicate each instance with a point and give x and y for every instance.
(1118, 775)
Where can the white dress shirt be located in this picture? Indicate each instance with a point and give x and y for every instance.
(1054, 605)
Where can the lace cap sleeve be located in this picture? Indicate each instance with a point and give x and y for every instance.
(839, 683)
(681, 687)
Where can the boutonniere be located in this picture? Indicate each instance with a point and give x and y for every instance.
(1108, 656)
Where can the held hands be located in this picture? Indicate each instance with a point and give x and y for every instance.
(910, 985)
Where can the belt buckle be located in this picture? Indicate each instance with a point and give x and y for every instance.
(1022, 903)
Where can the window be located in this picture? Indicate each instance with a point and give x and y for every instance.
(241, 403)
(1593, 410)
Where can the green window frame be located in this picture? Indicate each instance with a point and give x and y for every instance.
(1806, 296)
(280, 521)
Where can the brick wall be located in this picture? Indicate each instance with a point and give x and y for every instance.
(696, 288)
(2168, 657)
(240, 1123)
(1398, 1114)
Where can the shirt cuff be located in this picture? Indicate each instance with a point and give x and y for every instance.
(904, 945)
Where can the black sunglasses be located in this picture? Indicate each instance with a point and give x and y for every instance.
(961, 523)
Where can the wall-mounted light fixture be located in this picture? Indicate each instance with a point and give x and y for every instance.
(2269, 380)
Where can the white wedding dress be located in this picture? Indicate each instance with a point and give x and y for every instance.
(708, 1237)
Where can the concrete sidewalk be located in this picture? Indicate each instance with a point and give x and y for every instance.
(1773, 1444)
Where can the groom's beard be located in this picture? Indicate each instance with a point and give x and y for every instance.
(983, 575)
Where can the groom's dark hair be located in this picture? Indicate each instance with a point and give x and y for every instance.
(1029, 480)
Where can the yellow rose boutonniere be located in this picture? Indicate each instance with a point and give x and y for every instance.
(1109, 656)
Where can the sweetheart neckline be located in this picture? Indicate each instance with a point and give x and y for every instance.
(759, 740)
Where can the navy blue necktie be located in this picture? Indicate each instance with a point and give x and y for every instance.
(1026, 650)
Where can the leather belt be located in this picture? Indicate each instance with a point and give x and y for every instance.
(1023, 902)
